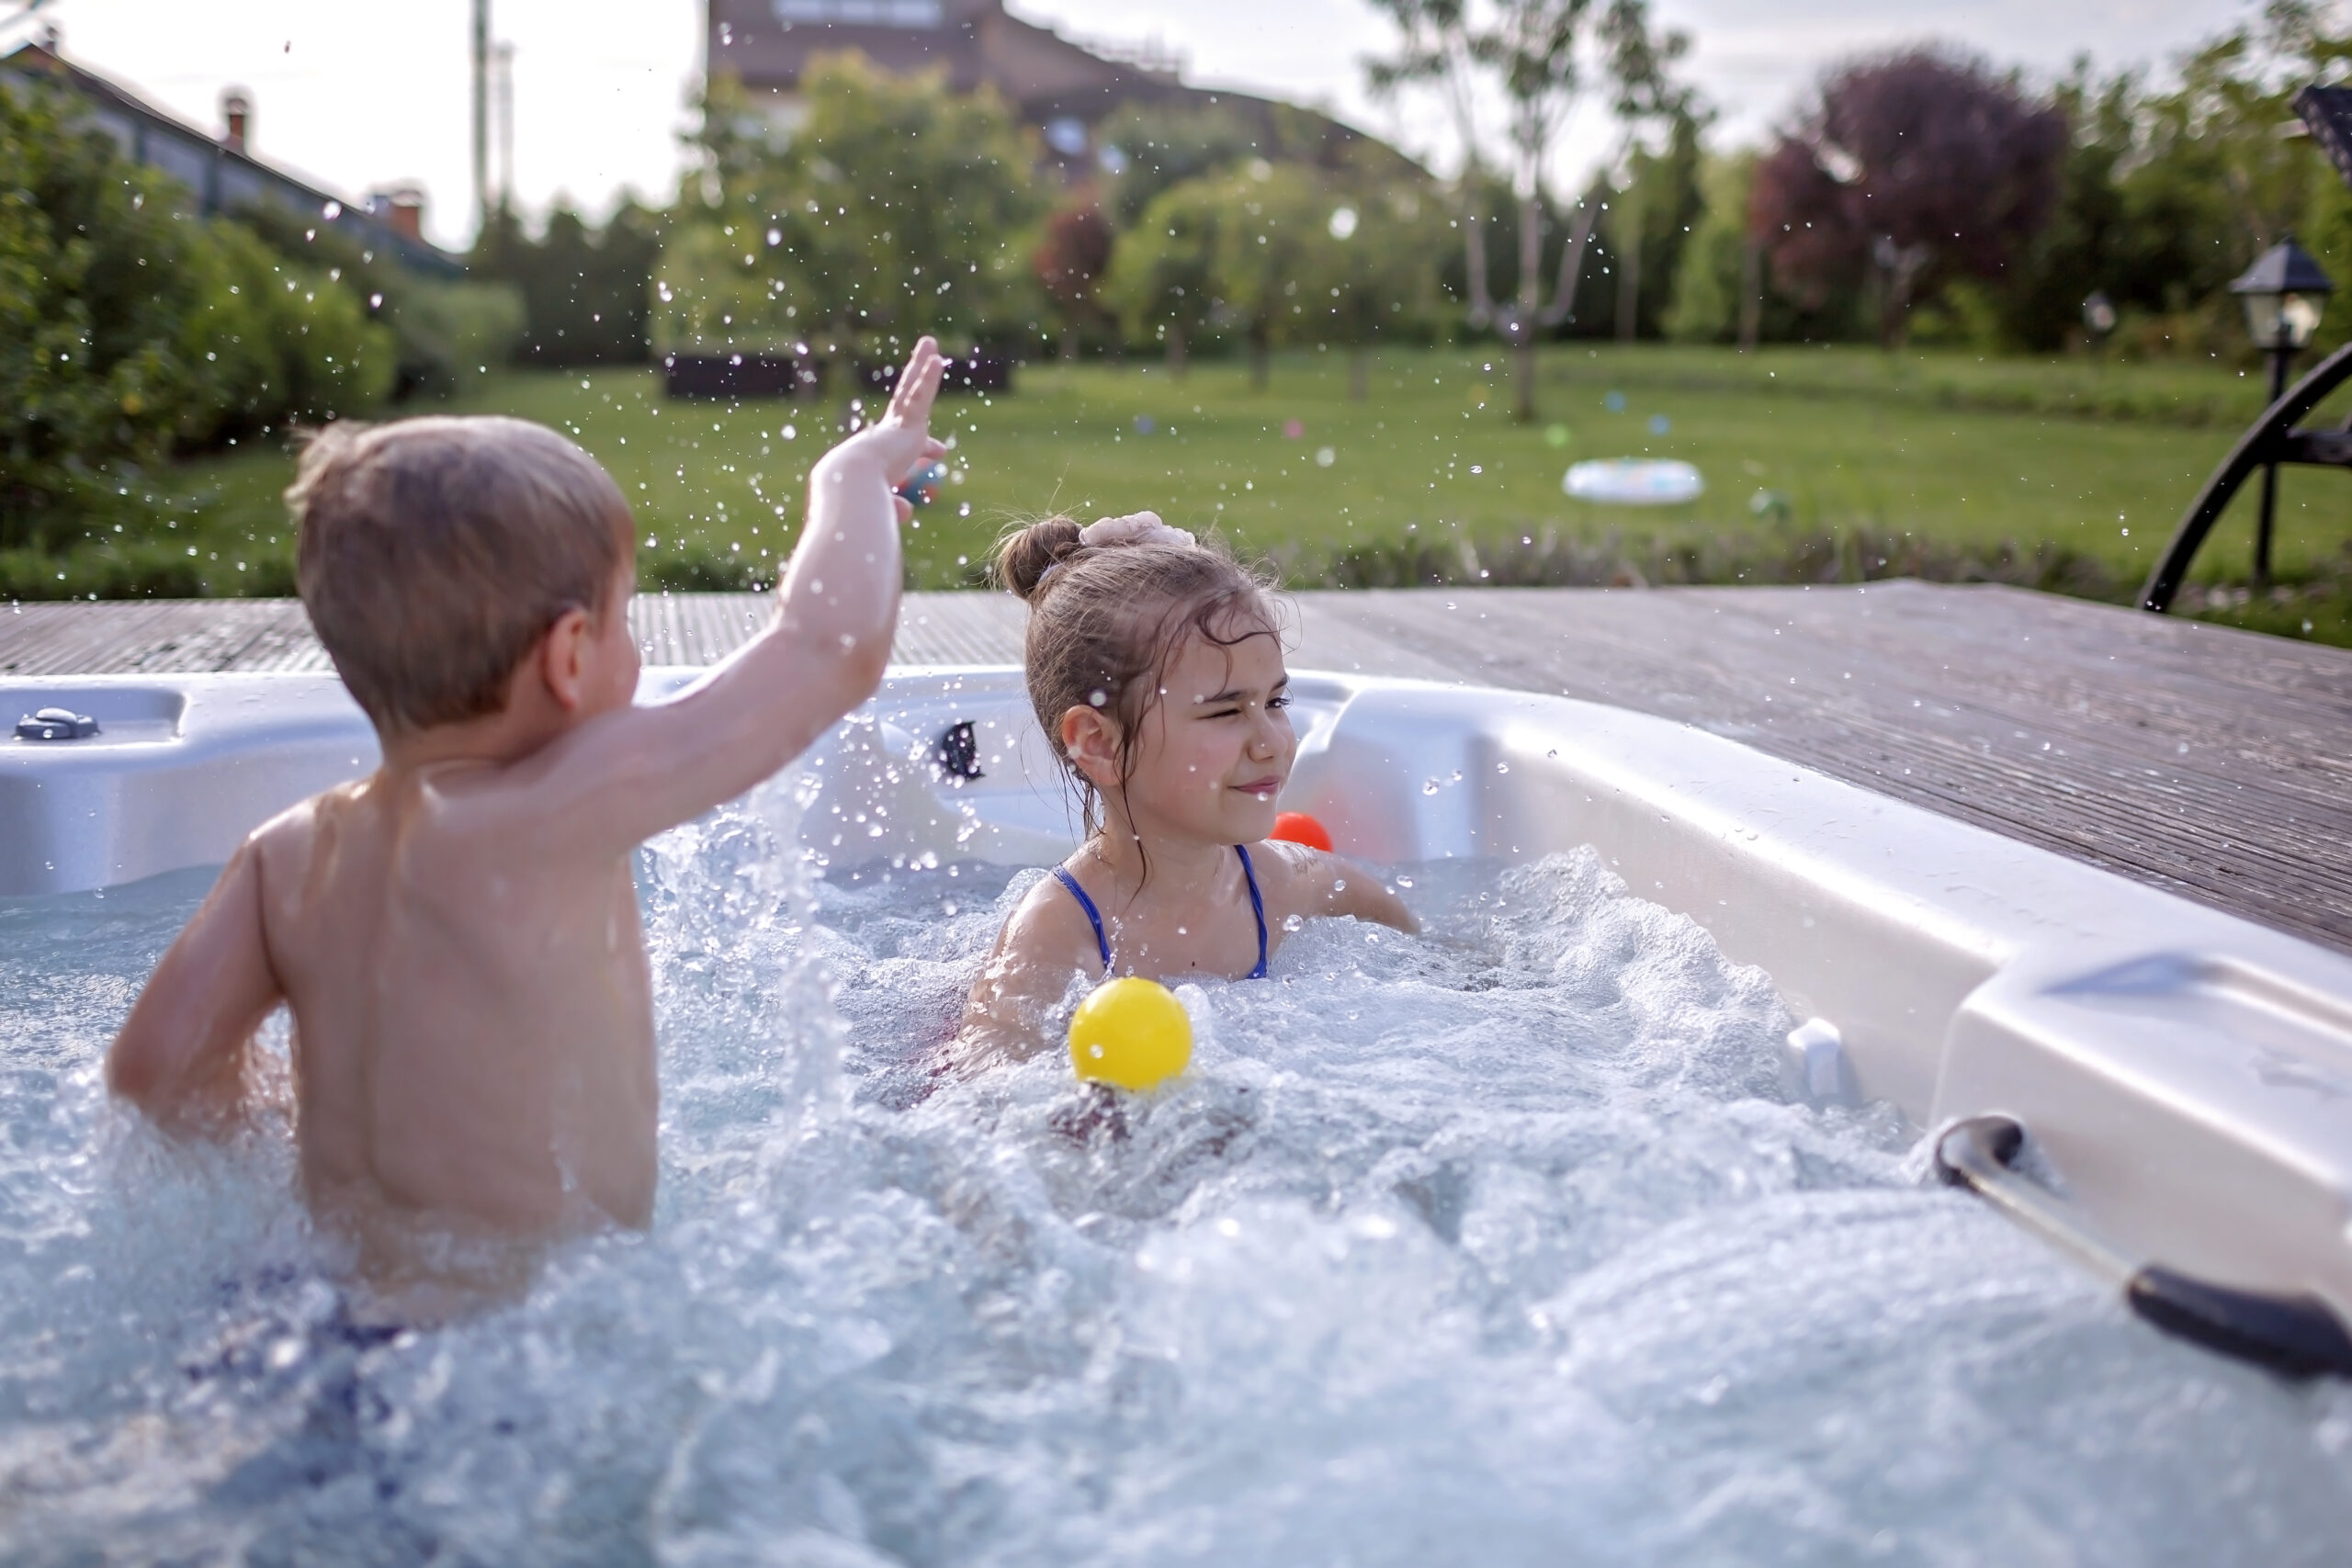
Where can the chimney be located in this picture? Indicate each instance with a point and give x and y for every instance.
(237, 108)
(402, 206)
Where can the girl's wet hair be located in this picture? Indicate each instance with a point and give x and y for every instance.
(1106, 621)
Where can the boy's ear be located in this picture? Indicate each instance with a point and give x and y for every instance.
(1091, 742)
(563, 659)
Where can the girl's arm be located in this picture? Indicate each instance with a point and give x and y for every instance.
(1008, 1015)
(182, 1052)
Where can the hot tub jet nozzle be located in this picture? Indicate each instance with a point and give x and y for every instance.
(56, 724)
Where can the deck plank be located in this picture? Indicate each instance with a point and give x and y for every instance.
(2206, 760)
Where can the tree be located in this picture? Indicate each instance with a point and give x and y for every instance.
(896, 208)
(1539, 55)
(1710, 286)
(1163, 275)
(1274, 213)
(1368, 274)
(1154, 147)
(1651, 218)
(1069, 263)
(585, 292)
(1919, 167)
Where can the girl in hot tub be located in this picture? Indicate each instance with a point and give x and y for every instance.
(1155, 662)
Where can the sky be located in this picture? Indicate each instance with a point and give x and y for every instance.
(363, 95)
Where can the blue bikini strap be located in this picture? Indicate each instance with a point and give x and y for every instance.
(1103, 942)
(1092, 917)
(1256, 907)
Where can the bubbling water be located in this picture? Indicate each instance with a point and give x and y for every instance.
(1499, 1244)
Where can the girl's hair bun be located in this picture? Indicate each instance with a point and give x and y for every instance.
(1025, 555)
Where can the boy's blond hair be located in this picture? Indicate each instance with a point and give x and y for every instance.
(433, 553)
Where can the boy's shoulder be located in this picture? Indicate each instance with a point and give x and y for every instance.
(286, 846)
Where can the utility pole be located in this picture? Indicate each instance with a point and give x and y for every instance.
(481, 112)
(506, 125)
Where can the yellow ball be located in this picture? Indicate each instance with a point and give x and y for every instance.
(1132, 1032)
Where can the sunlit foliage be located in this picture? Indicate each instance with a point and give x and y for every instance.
(894, 208)
(129, 328)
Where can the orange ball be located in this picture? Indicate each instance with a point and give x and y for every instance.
(1299, 828)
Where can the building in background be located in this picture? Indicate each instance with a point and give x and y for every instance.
(1064, 88)
(221, 173)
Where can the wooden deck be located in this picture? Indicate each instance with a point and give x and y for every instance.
(2209, 762)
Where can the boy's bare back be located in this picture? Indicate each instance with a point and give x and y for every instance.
(475, 1016)
(456, 935)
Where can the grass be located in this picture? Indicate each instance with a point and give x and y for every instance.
(1818, 463)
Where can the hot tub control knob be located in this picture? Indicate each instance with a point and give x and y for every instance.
(56, 724)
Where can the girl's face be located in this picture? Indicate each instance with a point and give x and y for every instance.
(1215, 750)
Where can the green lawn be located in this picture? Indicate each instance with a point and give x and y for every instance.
(1948, 450)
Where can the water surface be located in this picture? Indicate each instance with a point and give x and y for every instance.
(1500, 1246)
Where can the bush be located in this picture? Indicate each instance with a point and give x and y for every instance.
(277, 342)
(97, 279)
(131, 328)
(1553, 561)
(444, 331)
(450, 332)
(133, 568)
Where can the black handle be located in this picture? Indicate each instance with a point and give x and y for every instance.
(2298, 1336)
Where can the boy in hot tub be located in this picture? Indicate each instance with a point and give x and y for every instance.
(456, 934)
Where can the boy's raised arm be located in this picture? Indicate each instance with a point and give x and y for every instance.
(181, 1054)
(837, 610)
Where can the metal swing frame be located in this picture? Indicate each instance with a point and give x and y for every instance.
(2274, 440)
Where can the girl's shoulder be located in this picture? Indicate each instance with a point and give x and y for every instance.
(1293, 874)
(1050, 921)
(1297, 880)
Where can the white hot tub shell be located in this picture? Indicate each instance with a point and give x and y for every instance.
(2185, 1076)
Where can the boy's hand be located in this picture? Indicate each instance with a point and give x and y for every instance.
(900, 441)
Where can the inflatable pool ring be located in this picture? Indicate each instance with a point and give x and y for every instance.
(1132, 1032)
(922, 486)
(1299, 828)
(1634, 481)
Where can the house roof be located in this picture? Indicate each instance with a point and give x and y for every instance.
(222, 178)
(768, 44)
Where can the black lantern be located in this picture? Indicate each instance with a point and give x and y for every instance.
(2284, 292)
